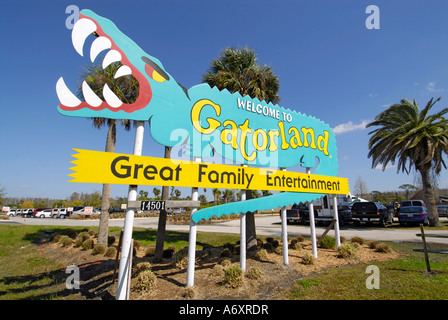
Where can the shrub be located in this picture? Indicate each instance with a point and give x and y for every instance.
(56, 238)
(382, 248)
(84, 235)
(308, 259)
(372, 244)
(279, 250)
(137, 244)
(233, 276)
(225, 253)
(111, 252)
(151, 250)
(110, 240)
(79, 241)
(65, 241)
(300, 239)
(98, 249)
(167, 253)
(180, 259)
(346, 250)
(328, 242)
(262, 255)
(259, 243)
(268, 247)
(72, 234)
(269, 239)
(142, 266)
(87, 244)
(358, 240)
(254, 273)
(275, 243)
(146, 281)
(295, 245)
(92, 233)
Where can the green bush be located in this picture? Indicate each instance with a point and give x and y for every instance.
(372, 244)
(84, 235)
(79, 241)
(87, 244)
(233, 276)
(262, 255)
(65, 241)
(358, 240)
(382, 248)
(98, 249)
(145, 282)
(328, 242)
(308, 259)
(254, 273)
(346, 250)
(110, 240)
(111, 252)
(180, 259)
(151, 250)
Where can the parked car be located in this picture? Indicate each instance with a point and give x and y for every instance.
(371, 212)
(412, 203)
(414, 214)
(46, 213)
(442, 210)
(35, 211)
(298, 213)
(11, 213)
(26, 212)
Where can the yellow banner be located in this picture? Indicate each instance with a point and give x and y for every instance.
(114, 168)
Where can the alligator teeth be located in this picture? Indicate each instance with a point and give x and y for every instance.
(81, 30)
(123, 71)
(66, 97)
(111, 98)
(111, 56)
(98, 45)
(90, 96)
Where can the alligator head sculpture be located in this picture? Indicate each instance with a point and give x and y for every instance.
(241, 129)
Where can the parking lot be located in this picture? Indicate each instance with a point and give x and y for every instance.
(267, 225)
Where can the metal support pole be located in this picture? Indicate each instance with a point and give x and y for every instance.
(284, 237)
(243, 244)
(192, 238)
(312, 224)
(125, 268)
(336, 225)
(284, 234)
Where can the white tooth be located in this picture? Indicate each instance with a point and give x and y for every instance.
(66, 97)
(111, 56)
(111, 98)
(81, 30)
(90, 96)
(98, 45)
(123, 71)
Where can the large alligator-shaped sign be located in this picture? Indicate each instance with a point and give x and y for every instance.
(206, 120)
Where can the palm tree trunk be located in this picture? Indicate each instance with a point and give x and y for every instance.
(158, 255)
(251, 234)
(103, 230)
(429, 196)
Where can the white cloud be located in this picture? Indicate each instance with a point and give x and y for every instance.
(380, 166)
(350, 126)
(431, 87)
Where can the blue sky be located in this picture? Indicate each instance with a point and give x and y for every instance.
(329, 65)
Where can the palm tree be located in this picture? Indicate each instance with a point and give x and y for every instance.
(216, 193)
(237, 70)
(415, 140)
(126, 88)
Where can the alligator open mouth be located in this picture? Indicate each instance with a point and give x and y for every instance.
(84, 27)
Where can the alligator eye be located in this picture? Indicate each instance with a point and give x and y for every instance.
(154, 71)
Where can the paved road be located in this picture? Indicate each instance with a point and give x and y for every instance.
(266, 225)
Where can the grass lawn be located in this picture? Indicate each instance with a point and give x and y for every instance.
(26, 272)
